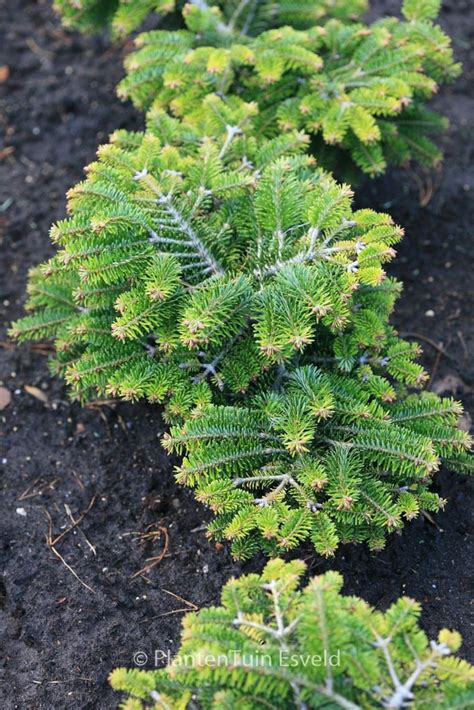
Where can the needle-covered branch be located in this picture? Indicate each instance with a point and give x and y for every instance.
(322, 459)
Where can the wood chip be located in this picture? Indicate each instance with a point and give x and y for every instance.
(36, 393)
(5, 398)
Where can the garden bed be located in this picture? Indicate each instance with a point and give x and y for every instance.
(73, 610)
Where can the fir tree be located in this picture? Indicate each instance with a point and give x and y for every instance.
(272, 645)
(359, 90)
(230, 279)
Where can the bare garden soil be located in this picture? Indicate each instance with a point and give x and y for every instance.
(73, 610)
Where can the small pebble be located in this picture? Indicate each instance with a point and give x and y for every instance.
(430, 313)
(21, 511)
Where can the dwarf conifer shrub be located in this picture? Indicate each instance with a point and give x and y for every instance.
(359, 90)
(273, 645)
(211, 265)
(124, 16)
(231, 280)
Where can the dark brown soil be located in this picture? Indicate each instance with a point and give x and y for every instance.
(61, 638)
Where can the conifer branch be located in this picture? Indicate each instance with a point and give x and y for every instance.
(183, 226)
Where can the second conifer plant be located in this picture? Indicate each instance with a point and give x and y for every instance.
(272, 646)
(359, 90)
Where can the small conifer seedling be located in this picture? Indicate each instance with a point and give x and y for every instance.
(273, 645)
(230, 279)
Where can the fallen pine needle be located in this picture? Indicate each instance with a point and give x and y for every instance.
(189, 607)
(31, 493)
(75, 523)
(431, 520)
(52, 542)
(153, 561)
(84, 584)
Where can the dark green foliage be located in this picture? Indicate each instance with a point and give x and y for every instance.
(272, 645)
